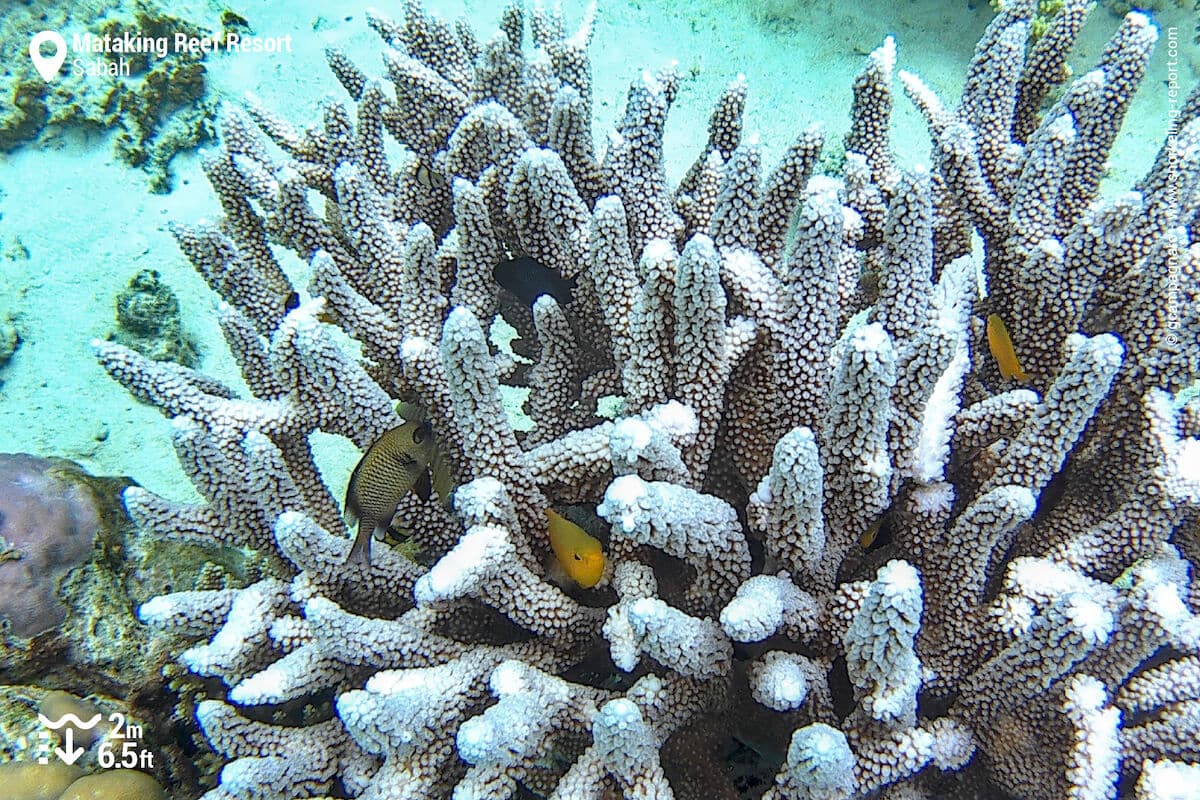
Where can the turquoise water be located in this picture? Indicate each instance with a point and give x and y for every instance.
(78, 221)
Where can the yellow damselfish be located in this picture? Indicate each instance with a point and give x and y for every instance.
(579, 554)
(869, 536)
(1002, 349)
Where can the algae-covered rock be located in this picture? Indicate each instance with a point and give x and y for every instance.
(168, 110)
(73, 570)
(48, 521)
(63, 607)
(149, 321)
(34, 781)
(157, 106)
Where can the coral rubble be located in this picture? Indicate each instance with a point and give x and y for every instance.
(149, 320)
(157, 104)
(840, 543)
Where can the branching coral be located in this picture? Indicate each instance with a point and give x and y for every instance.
(1026, 619)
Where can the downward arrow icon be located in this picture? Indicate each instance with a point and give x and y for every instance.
(70, 754)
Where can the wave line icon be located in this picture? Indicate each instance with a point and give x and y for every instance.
(69, 718)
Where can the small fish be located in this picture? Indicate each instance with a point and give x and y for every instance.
(430, 177)
(870, 534)
(441, 480)
(529, 279)
(577, 552)
(1002, 350)
(390, 468)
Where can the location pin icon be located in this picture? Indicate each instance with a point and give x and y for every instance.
(48, 66)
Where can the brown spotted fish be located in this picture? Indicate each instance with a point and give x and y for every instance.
(387, 471)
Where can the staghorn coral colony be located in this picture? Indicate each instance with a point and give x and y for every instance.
(845, 556)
